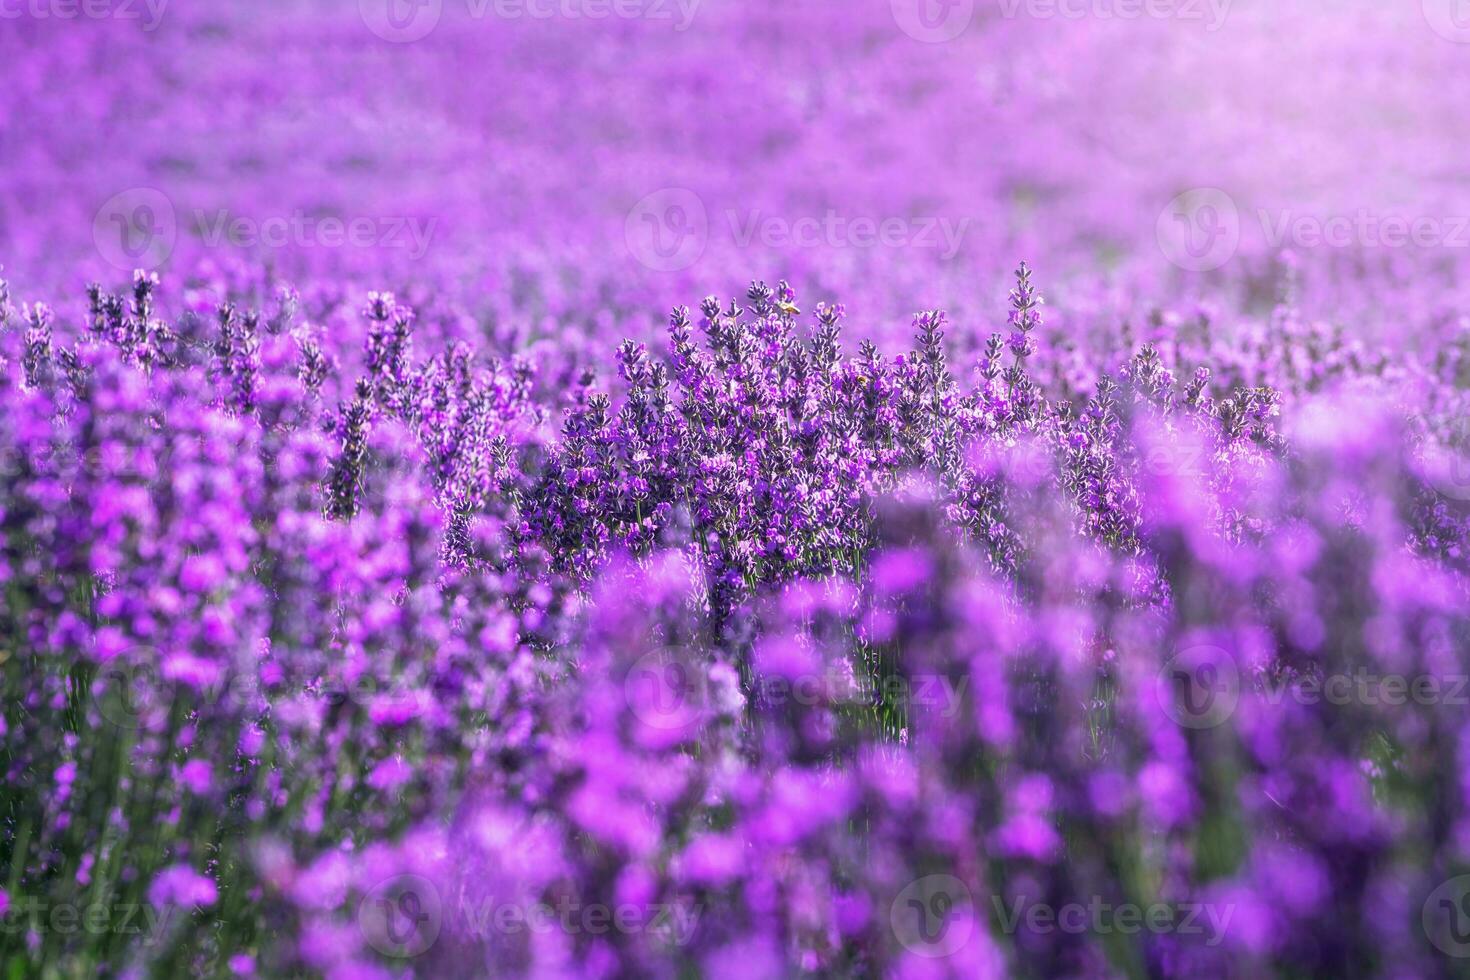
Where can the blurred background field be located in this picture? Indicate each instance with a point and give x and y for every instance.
(527, 144)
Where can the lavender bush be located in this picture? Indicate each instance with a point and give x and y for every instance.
(776, 657)
(501, 581)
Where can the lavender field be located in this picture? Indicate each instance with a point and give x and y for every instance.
(734, 488)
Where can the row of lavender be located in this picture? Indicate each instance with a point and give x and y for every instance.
(771, 655)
